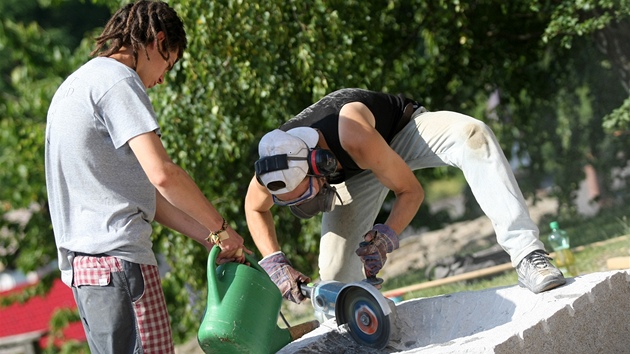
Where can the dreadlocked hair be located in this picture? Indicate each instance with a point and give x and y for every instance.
(137, 25)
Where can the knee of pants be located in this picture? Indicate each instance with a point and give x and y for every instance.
(480, 140)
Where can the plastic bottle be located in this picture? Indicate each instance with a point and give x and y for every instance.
(559, 240)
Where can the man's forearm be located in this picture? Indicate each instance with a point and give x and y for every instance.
(173, 218)
(181, 191)
(263, 231)
(404, 209)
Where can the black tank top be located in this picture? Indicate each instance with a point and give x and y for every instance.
(324, 116)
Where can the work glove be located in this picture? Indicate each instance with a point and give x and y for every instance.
(284, 276)
(377, 243)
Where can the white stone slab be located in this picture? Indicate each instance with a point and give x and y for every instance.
(590, 314)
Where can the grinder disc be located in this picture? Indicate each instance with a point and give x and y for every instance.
(367, 323)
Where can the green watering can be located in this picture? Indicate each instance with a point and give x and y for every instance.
(242, 311)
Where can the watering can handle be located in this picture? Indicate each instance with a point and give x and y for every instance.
(212, 261)
(213, 291)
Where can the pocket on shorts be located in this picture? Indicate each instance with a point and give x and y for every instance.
(96, 274)
(135, 279)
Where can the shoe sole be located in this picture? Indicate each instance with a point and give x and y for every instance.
(554, 283)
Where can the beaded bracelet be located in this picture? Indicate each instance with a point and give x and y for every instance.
(216, 236)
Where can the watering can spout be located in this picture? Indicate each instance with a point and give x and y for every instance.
(242, 311)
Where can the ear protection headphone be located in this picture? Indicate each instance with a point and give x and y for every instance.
(321, 163)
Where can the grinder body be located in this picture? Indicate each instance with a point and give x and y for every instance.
(323, 296)
(370, 317)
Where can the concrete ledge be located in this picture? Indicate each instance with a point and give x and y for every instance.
(590, 314)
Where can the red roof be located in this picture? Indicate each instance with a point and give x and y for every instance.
(35, 314)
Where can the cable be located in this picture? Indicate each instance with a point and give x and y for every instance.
(285, 320)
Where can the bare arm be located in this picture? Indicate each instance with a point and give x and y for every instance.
(177, 191)
(258, 203)
(370, 151)
(168, 215)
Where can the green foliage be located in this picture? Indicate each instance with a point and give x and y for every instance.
(608, 23)
(572, 19)
(59, 321)
(619, 119)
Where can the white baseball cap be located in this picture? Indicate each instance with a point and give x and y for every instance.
(294, 143)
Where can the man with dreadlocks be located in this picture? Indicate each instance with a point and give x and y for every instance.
(108, 177)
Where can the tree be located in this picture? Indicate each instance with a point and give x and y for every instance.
(606, 24)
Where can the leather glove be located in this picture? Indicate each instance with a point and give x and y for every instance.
(377, 243)
(284, 276)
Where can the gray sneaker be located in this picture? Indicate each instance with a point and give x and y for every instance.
(536, 273)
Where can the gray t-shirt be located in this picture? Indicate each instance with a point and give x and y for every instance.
(100, 199)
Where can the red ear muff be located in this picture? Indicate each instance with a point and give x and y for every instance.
(312, 162)
(322, 162)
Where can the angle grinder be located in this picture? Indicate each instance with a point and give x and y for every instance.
(370, 316)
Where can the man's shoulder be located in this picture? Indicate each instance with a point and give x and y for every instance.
(106, 70)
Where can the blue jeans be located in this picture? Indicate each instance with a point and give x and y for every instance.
(431, 139)
(106, 310)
